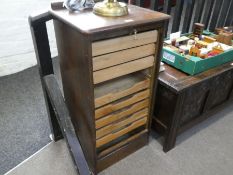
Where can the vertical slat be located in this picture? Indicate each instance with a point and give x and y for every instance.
(223, 13)
(188, 15)
(167, 9)
(177, 15)
(167, 6)
(154, 5)
(199, 10)
(207, 12)
(140, 3)
(44, 61)
(215, 14)
(229, 18)
(197, 13)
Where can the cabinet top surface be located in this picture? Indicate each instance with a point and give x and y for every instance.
(87, 22)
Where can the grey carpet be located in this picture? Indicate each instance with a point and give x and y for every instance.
(205, 149)
(24, 126)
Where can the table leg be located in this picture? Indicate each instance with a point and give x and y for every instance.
(173, 125)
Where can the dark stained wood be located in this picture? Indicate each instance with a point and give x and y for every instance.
(188, 15)
(59, 119)
(140, 3)
(64, 120)
(75, 33)
(156, 72)
(210, 91)
(88, 23)
(223, 13)
(229, 18)
(177, 15)
(122, 152)
(167, 6)
(215, 14)
(178, 81)
(167, 9)
(199, 4)
(37, 19)
(44, 62)
(154, 5)
(207, 12)
(74, 51)
(173, 124)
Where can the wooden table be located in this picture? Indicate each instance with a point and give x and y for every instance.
(183, 101)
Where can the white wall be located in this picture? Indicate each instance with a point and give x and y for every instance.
(16, 48)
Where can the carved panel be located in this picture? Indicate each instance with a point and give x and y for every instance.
(195, 102)
(222, 88)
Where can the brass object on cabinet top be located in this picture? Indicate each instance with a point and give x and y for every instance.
(110, 8)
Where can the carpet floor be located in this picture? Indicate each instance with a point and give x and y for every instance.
(205, 149)
(24, 127)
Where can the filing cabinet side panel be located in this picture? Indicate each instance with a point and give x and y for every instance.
(76, 70)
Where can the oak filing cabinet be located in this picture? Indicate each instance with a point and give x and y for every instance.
(109, 69)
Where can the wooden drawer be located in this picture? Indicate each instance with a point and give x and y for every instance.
(110, 108)
(129, 138)
(123, 56)
(114, 135)
(122, 123)
(122, 114)
(118, 88)
(122, 69)
(125, 42)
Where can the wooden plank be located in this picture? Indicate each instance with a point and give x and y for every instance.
(66, 125)
(229, 18)
(108, 60)
(116, 126)
(199, 5)
(207, 12)
(120, 144)
(114, 107)
(38, 19)
(167, 6)
(188, 15)
(114, 117)
(115, 96)
(167, 9)
(123, 69)
(113, 136)
(215, 14)
(223, 13)
(122, 152)
(154, 5)
(43, 55)
(125, 42)
(177, 16)
(140, 3)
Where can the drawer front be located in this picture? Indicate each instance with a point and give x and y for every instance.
(114, 135)
(120, 115)
(110, 97)
(121, 43)
(110, 108)
(119, 125)
(123, 56)
(122, 69)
